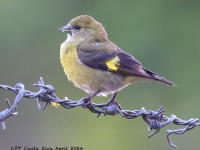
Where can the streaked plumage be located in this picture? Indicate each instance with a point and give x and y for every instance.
(92, 62)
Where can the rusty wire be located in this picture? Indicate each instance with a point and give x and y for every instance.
(155, 119)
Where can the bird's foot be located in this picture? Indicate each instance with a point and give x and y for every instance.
(111, 108)
(87, 100)
(112, 101)
(88, 103)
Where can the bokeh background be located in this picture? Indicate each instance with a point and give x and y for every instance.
(163, 34)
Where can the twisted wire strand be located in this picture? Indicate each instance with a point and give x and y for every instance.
(155, 119)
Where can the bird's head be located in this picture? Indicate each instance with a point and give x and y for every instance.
(84, 27)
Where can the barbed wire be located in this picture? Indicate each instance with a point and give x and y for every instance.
(155, 119)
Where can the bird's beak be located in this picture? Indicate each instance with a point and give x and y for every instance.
(66, 28)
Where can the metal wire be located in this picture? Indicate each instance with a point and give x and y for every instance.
(155, 119)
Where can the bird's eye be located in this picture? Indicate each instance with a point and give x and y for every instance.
(77, 27)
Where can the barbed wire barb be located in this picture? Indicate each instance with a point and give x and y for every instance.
(155, 120)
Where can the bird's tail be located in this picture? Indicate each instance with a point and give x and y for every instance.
(155, 76)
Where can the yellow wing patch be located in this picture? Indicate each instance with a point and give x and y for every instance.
(113, 64)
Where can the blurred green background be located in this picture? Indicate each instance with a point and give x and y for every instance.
(163, 34)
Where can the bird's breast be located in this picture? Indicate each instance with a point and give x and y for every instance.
(69, 59)
(80, 74)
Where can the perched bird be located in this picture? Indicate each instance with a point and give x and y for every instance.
(95, 64)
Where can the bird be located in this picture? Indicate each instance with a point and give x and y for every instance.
(95, 64)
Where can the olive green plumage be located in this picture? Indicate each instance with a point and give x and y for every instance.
(92, 62)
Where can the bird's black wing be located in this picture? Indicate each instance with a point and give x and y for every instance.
(110, 58)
